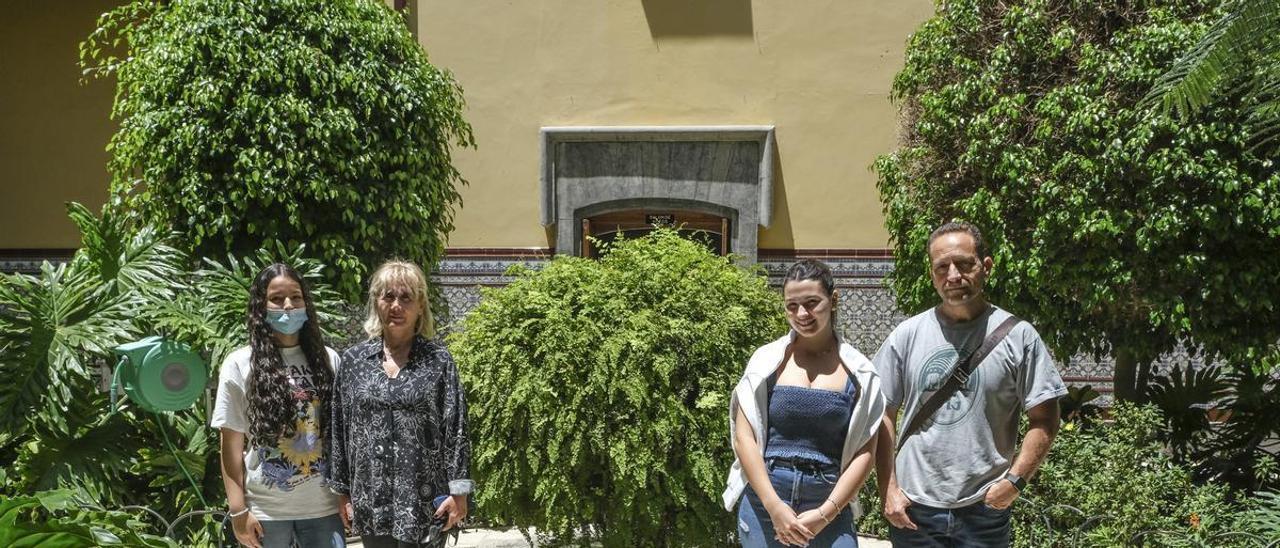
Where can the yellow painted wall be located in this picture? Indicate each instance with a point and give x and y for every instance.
(53, 131)
(819, 71)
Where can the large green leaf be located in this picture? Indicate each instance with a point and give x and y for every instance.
(56, 322)
(222, 289)
(57, 519)
(96, 456)
(126, 260)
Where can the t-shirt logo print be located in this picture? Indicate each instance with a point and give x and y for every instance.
(300, 458)
(934, 372)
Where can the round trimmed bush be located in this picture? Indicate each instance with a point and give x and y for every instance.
(599, 391)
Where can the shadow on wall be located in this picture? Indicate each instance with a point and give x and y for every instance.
(698, 18)
(779, 234)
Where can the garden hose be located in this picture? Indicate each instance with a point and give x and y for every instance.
(174, 451)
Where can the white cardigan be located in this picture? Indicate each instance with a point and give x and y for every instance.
(752, 395)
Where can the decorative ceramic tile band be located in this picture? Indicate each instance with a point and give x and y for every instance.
(865, 315)
(851, 272)
(30, 261)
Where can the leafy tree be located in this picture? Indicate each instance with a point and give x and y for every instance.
(123, 283)
(598, 391)
(1115, 229)
(1239, 55)
(304, 121)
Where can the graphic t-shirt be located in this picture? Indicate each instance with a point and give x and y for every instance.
(284, 481)
(968, 444)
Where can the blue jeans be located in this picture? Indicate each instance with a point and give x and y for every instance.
(802, 488)
(325, 532)
(976, 525)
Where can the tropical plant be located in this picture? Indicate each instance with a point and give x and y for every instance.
(51, 325)
(1239, 56)
(1115, 229)
(303, 121)
(1264, 514)
(1235, 451)
(57, 328)
(1184, 397)
(598, 391)
(66, 519)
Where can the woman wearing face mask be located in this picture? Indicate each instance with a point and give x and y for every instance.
(401, 458)
(803, 421)
(272, 398)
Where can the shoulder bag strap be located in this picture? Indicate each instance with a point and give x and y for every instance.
(959, 377)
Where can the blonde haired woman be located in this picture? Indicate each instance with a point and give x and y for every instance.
(399, 432)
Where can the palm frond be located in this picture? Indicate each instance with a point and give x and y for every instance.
(1184, 397)
(1263, 119)
(1264, 514)
(1220, 55)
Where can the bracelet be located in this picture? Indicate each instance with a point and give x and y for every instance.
(824, 514)
(238, 514)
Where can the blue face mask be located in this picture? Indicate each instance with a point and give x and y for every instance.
(287, 322)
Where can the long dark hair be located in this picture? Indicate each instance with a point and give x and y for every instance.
(272, 409)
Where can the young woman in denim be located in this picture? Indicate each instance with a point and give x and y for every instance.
(270, 409)
(804, 419)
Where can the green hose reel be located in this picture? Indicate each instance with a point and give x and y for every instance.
(159, 374)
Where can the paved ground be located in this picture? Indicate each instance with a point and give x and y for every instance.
(511, 538)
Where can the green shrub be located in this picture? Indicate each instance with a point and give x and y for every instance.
(1122, 474)
(599, 391)
(306, 121)
(872, 522)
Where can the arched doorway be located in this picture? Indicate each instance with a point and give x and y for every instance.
(708, 229)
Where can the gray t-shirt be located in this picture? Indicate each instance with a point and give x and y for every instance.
(969, 442)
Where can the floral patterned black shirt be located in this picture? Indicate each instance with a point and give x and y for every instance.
(396, 444)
